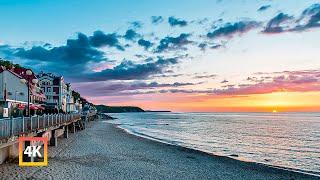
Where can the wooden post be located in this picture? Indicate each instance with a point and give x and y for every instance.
(73, 127)
(12, 124)
(66, 132)
(23, 124)
(53, 139)
(30, 118)
(38, 122)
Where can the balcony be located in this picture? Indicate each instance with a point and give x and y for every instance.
(52, 101)
(51, 94)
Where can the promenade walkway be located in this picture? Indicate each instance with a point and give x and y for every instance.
(50, 126)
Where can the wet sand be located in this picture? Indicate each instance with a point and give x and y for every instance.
(102, 151)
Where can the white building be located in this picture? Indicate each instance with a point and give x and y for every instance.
(58, 93)
(70, 100)
(13, 93)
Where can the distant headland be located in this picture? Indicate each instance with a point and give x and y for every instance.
(118, 109)
(123, 109)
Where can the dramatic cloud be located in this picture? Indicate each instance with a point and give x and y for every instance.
(7, 51)
(136, 24)
(173, 43)
(255, 79)
(168, 75)
(76, 51)
(203, 46)
(186, 91)
(95, 57)
(312, 10)
(124, 88)
(100, 39)
(156, 19)
(288, 81)
(275, 24)
(202, 21)
(263, 8)
(158, 85)
(129, 70)
(216, 46)
(144, 43)
(131, 35)
(229, 29)
(80, 59)
(205, 76)
(177, 22)
(310, 18)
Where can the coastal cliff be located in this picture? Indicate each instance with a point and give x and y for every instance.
(117, 109)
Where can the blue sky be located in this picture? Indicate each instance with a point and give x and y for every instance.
(207, 47)
(54, 21)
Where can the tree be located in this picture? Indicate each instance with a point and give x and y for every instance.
(8, 64)
(76, 95)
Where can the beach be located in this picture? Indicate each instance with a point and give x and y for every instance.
(102, 151)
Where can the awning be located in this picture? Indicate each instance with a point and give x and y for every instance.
(21, 106)
(34, 107)
(41, 107)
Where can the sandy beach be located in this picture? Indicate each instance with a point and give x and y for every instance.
(102, 151)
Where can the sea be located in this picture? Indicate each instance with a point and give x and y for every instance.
(288, 140)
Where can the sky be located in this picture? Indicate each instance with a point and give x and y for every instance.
(183, 56)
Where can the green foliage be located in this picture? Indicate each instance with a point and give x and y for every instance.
(8, 64)
(15, 112)
(84, 101)
(76, 95)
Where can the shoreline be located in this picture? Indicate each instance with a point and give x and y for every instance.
(103, 151)
(149, 138)
(215, 155)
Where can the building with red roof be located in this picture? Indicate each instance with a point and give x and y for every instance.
(14, 93)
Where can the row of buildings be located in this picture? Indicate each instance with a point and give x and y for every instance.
(48, 93)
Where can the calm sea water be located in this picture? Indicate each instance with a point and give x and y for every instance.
(283, 139)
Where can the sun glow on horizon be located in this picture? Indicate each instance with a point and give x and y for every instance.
(179, 102)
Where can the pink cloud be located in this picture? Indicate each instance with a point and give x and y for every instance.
(101, 66)
(291, 81)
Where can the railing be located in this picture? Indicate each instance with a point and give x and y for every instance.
(51, 93)
(52, 101)
(21, 125)
(89, 113)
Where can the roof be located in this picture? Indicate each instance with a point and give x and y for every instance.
(9, 70)
(51, 75)
(21, 74)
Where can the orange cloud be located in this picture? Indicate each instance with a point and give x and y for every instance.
(281, 101)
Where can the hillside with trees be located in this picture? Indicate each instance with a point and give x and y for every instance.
(117, 109)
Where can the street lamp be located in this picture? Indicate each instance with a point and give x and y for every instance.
(28, 80)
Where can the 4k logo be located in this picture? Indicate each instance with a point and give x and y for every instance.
(33, 151)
